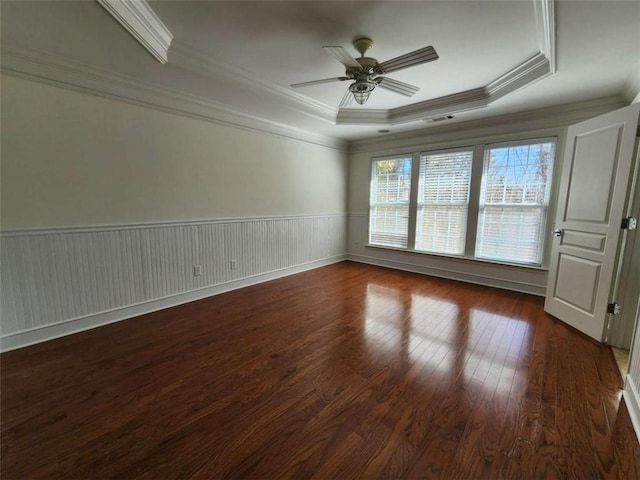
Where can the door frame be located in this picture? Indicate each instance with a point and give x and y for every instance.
(620, 330)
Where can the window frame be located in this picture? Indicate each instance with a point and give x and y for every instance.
(479, 147)
(412, 173)
(419, 161)
(523, 206)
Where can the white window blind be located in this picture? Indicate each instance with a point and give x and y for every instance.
(389, 202)
(443, 201)
(514, 200)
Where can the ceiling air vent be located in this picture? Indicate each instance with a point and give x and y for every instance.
(438, 119)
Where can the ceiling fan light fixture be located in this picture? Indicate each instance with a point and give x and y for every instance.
(361, 91)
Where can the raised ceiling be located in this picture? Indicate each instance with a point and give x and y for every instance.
(242, 56)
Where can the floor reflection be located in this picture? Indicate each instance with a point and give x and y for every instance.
(495, 346)
(384, 319)
(436, 335)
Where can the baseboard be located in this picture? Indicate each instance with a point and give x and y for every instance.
(632, 399)
(487, 281)
(44, 333)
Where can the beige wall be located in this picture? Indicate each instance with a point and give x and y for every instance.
(71, 159)
(360, 177)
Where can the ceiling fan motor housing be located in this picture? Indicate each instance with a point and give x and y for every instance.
(367, 62)
(362, 45)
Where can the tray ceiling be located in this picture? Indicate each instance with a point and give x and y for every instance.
(496, 57)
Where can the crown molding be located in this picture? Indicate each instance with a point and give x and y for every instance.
(352, 116)
(137, 17)
(61, 72)
(458, 102)
(525, 74)
(555, 117)
(545, 14)
(141, 21)
(537, 67)
(193, 60)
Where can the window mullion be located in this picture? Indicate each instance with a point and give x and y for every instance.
(413, 199)
(477, 167)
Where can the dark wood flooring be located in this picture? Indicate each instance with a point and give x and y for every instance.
(347, 371)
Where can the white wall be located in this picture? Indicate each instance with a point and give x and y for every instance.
(107, 206)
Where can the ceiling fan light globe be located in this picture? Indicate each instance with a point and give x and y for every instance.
(361, 91)
(361, 97)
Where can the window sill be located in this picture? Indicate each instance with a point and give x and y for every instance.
(458, 258)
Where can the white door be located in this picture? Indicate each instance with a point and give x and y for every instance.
(593, 188)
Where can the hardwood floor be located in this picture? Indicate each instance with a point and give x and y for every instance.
(347, 371)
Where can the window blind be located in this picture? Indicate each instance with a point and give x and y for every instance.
(443, 201)
(514, 200)
(389, 202)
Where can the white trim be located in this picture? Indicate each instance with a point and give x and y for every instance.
(137, 17)
(631, 396)
(135, 226)
(53, 276)
(545, 11)
(65, 73)
(85, 78)
(539, 66)
(459, 258)
(372, 116)
(455, 103)
(536, 68)
(189, 58)
(49, 332)
(485, 280)
(529, 122)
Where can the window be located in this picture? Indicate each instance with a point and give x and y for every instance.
(389, 202)
(443, 201)
(516, 185)
(487, 202)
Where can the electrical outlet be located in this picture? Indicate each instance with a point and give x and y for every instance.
(197, 270)
(233, 264)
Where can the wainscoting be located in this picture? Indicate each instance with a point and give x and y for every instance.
(519, 279)
(57, 282)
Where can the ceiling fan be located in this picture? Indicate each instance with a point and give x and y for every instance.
(366, 71)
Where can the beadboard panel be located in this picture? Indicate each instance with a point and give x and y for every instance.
(168, 255)
(509, 277)
(54, 276)
(47, 278)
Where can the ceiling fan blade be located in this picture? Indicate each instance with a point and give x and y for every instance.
(397, 86)
(424, 55)
(318, 82)
(347, 99)
(342, 56)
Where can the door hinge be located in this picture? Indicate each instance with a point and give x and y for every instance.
(614, 308)
(629, 223)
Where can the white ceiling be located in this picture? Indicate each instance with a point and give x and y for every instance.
(219, 48)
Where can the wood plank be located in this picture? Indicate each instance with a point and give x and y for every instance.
(347, 371)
